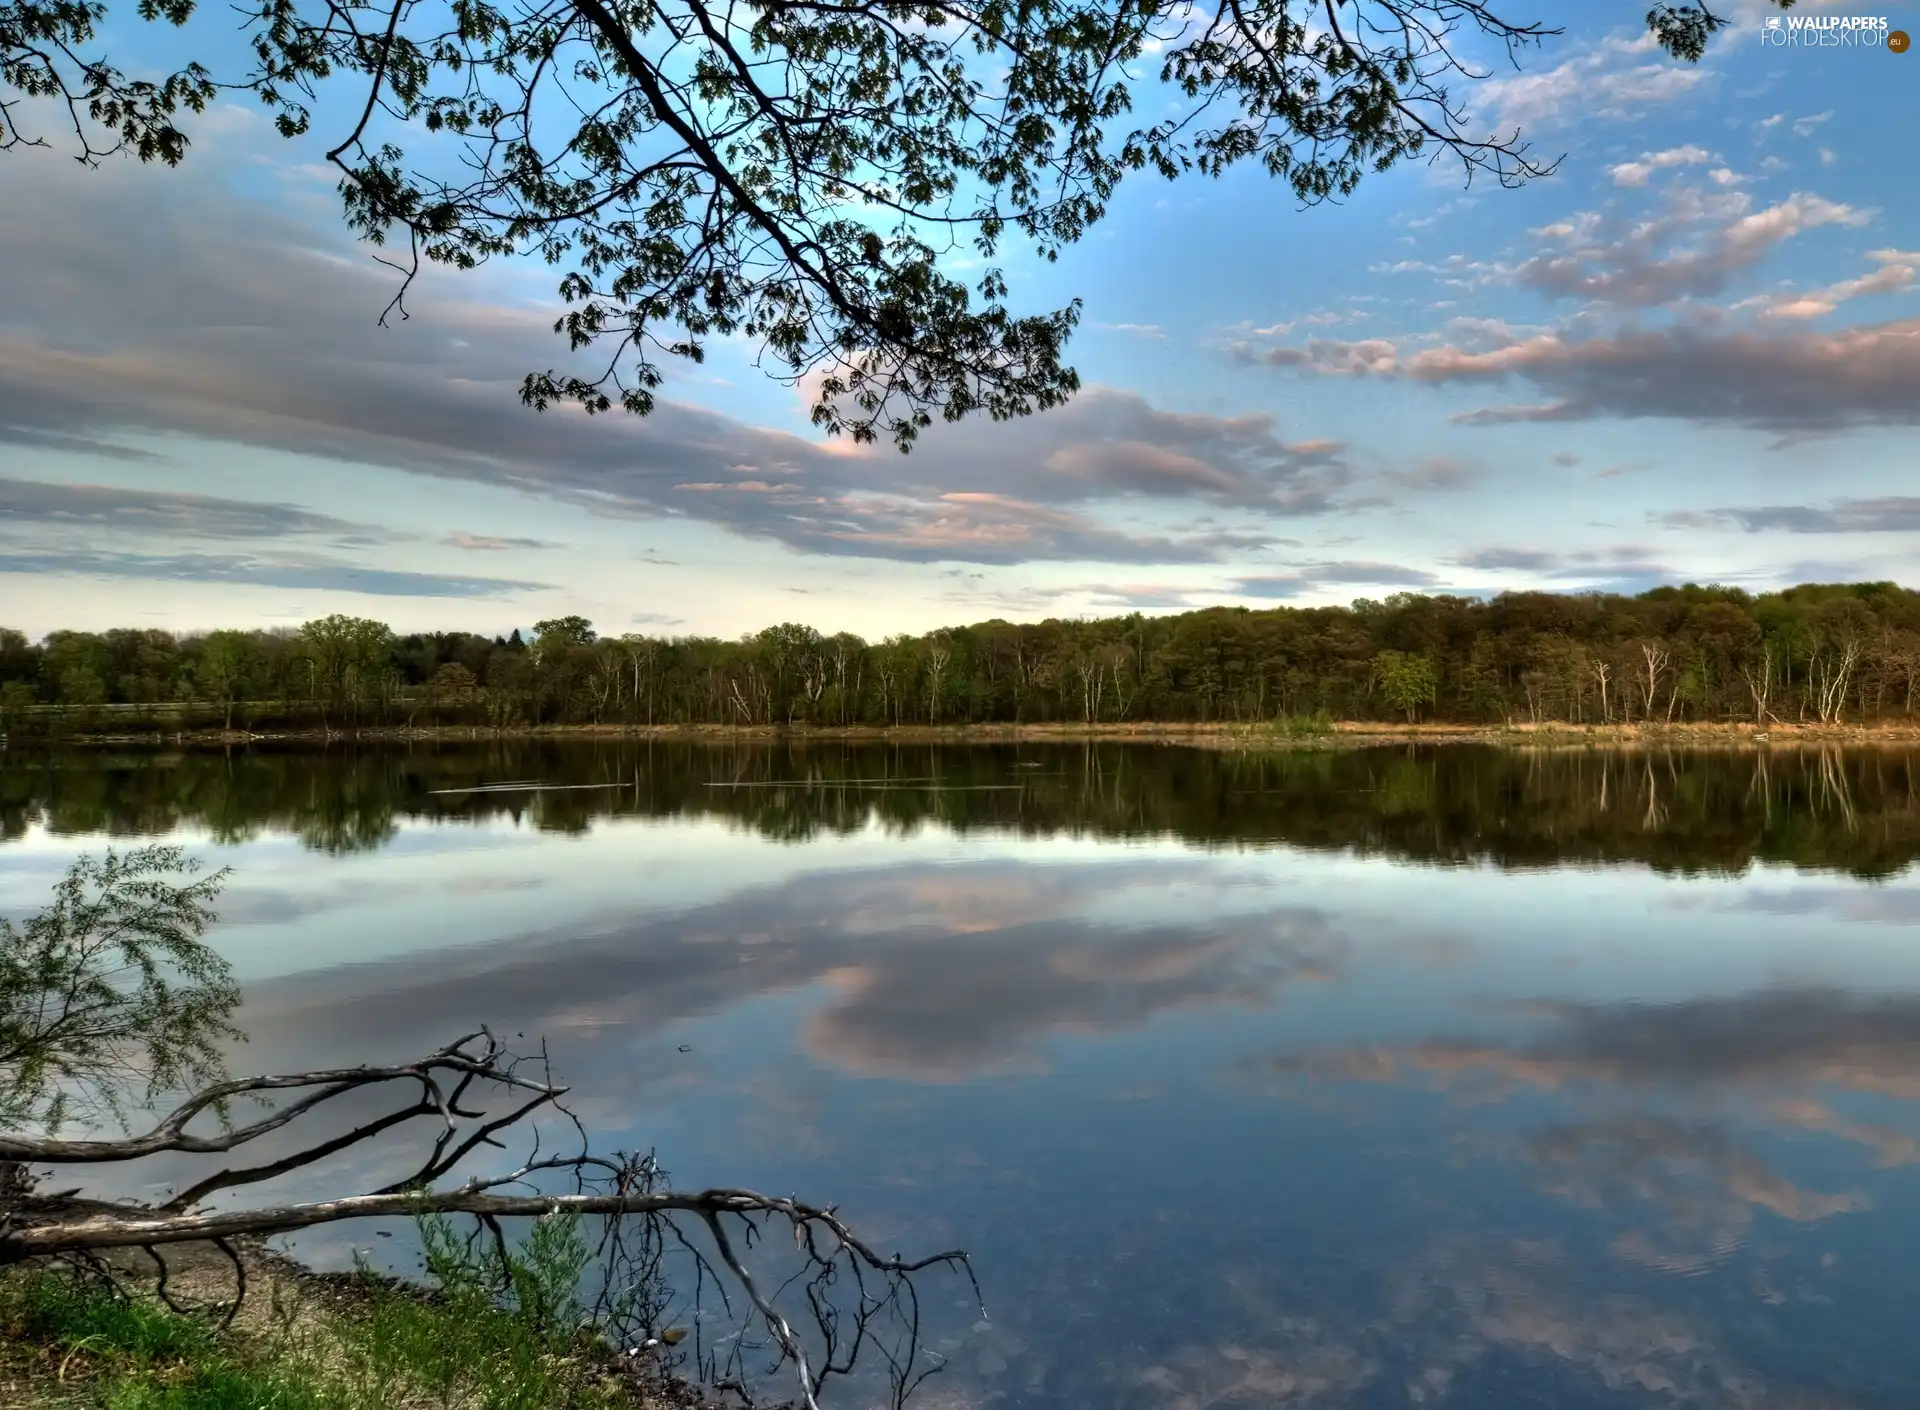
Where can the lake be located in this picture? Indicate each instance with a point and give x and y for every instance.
(1376, 1078)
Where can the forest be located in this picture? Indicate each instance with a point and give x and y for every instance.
(1816, 653)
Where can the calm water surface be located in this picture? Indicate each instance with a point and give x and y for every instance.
(1371, 1079)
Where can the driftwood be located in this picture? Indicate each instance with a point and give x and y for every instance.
(640, 1222)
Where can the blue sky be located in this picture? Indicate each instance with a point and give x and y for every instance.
(1691, 353)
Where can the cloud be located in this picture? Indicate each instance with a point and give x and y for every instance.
(1897, 269)
(1436, 472)
(1636, 173)
(1623, 568)
(1311, 577)
(487, 543)
(1616, 79)
(258, 570)
(76, 445)
(262, 332)
(97, 508)
(1513, 415)
(1891, 514)
(1133, 597)
(1151, 331)
(1785, 381)
(1233, 460)
(72, 529)
(1505, 559)
(1639, 269)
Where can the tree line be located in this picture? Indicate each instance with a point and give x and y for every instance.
(1827, 653)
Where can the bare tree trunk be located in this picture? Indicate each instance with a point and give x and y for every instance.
(1760, 684)
(1656, 659)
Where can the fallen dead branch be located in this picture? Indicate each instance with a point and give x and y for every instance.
(477, 1092)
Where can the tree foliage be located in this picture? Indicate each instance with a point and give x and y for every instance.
(1825, 653)
(109, 993)
(1407, 680)
(811, 176)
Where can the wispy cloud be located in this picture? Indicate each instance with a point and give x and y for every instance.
(1890, 514)
(258, 570)
(489, 543)
(1636, 173)
(1616, 79)
(1897, 270)
(1305, 578)
(309, 372)
(97, 508)
(1641, 266)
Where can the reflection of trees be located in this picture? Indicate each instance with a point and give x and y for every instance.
(1829, 809)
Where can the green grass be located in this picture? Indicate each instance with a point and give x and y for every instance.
(224, 1385)
(80, 1316)
(485, 1334)
(1314, 726)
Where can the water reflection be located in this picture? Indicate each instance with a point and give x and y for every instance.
(1295, 1124)
(1855, 811)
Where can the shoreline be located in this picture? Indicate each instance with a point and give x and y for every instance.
(288, 1312)
(1340, 734)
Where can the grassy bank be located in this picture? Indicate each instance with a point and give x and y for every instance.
(303, 1341)
(1310, 732)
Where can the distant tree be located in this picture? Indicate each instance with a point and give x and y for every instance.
(1406, 680)
(807, 177)
(453, 681)
(562, 631)
(19, 658)
(74, 666)
(16, 699)
(81, 685)
(224, 671)
(347, 658)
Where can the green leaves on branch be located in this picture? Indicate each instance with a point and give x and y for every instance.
(44, 54)
(1683, 30)
(809, 176)
(109, 995)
